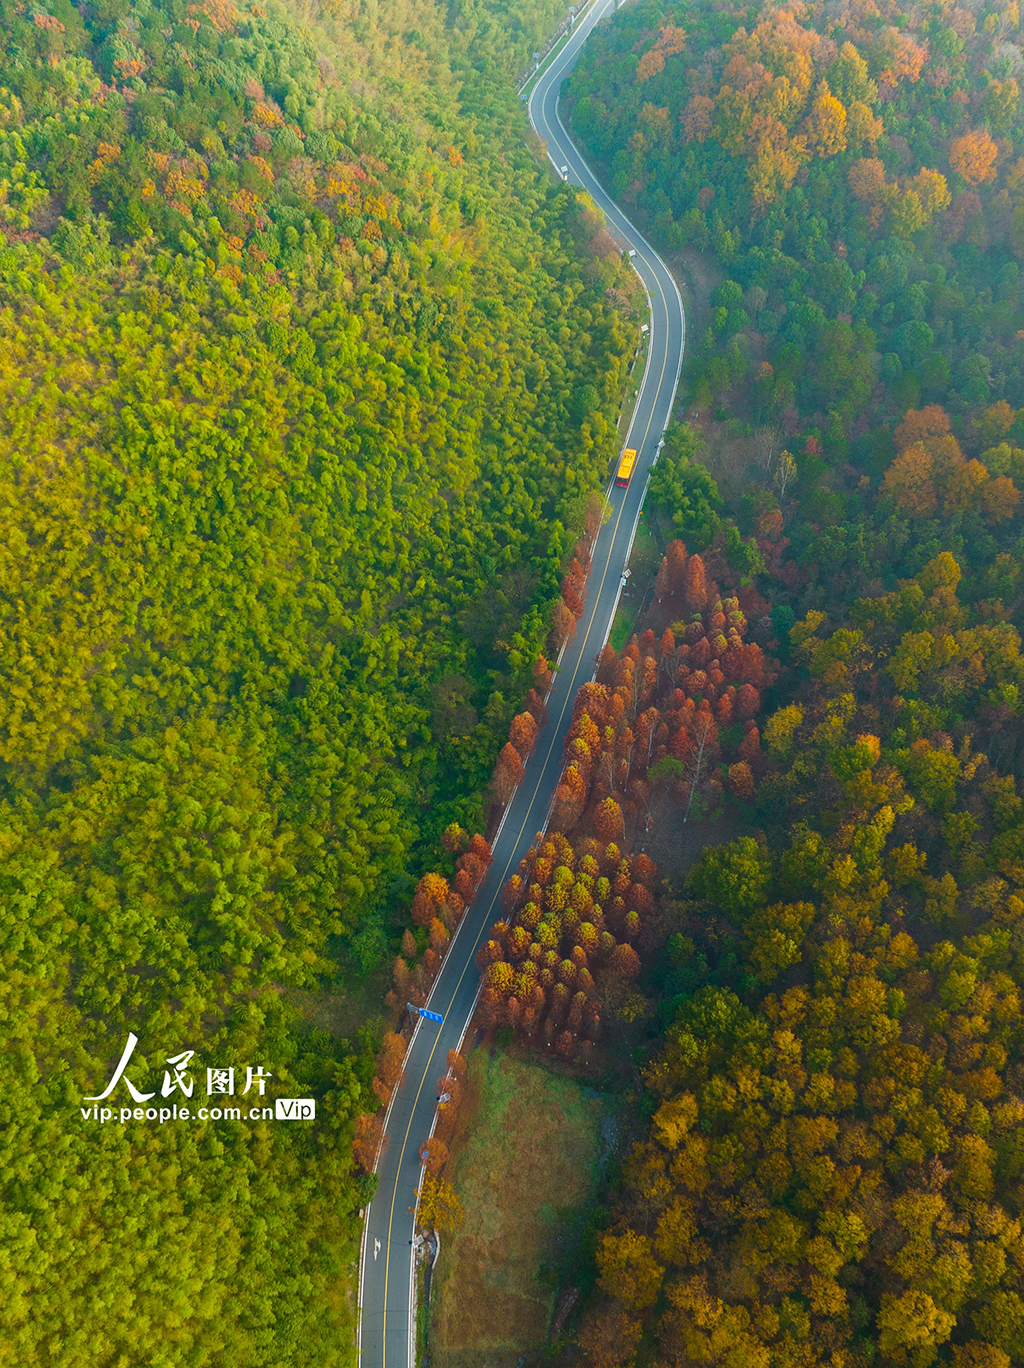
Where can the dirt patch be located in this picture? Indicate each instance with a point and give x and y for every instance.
(526, 1163)
(674, 845)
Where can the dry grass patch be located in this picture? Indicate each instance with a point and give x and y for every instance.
(528, 1165)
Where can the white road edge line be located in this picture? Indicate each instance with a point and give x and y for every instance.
(508, 807)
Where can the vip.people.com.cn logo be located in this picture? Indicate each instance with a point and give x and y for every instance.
(178, 1083)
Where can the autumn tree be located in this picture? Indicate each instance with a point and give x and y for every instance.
(697, 118)
(438, 1206)
(390, 1063)
(919, 425)
(825, 125)
(608, 819)
(866, 178)
(453, 838)
(624, 962)
(434, 1154)
(438, 936)
(628, 1269)
(400, 977)
(931, 189)
(523, 734)
(369, 1136)
(910, 484)
(694, 584)
(508, 774)
(430, 895)
(741, 781)
(973, 156)
(563, 623)
(671, 41)
(698, 757)
(609, 1337)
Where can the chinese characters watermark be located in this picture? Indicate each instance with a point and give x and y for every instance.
(220, 1083)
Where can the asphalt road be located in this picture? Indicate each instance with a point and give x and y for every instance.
(387, 1331)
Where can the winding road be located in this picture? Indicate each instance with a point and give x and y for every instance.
(387, 1328)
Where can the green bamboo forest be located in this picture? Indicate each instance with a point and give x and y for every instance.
(308, 371)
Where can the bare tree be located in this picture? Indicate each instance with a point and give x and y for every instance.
(625, 749)
(767, 441)
(785, 473)
(647, 733)
(702, 752)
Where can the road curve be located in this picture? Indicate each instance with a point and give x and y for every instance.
(386, 1328)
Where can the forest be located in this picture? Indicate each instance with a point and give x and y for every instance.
(828, 1163)
(307, 376)
(831, 1169)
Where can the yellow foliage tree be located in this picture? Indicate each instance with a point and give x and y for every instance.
(931, 189)
(910, 484)
(781, 728)
(863, 129)
(773, 171)
(439, 1207)
(825, 125)
(963, 486)
(912, 1322)
(906, 213)
(1000, 102)
(848, 77)
(629, 1270)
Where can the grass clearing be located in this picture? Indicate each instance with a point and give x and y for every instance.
(525, 1168)
(645, 557)
(621, 628)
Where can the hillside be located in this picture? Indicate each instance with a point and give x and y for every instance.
(306, 376)
(830, 1166)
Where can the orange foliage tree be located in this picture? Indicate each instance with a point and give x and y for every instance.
(431, 892)
(974, 156)
(368, 1138)
(910, 484)
(671, 41)
(866, 178)
(931, 473)
(434, 1154)
(920, 424)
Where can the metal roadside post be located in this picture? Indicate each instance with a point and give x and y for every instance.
(425, 1013)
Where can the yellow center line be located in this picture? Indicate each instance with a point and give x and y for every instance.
(519, 837)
